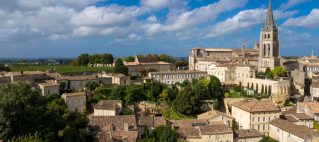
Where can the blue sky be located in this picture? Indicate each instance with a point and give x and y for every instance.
(67, 28)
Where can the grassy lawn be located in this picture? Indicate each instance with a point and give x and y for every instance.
(60, 68)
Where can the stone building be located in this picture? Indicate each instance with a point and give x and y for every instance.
(120, 128)
(264, 54)
(200, 130)
(49, 87)
(232, 73)
(144, 64)
(107, 108)
(254, 114)
(121, 79)
(172, 77)
(285, 131)
(309, 108)
(247, 135)
(216, 116)
(76, 83)
(75, 101)
(298, 118)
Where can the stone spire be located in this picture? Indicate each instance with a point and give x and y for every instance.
(270, 17)
(243, 49)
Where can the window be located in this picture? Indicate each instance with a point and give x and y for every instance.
(268, 35)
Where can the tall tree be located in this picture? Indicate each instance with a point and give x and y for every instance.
(201, 90)
(187, 102)
(120, 67)
(84, 59)
(215, 87)
(165, 134)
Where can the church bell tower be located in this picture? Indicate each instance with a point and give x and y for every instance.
(269, 55)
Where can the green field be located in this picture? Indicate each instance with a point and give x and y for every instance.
(59, 68)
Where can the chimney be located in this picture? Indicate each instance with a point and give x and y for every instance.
(126, 126)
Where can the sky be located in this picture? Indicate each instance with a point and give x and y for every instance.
(67, 28)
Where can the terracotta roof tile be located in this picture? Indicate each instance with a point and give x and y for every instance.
(248, 133)
(297, 130)
(107, 104)
(214, 129)
(190, 132)
(252, 105)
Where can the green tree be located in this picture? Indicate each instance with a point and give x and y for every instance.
(201, 90)
(278, 71)
(120, 67)
(234, 125)
(268, 139)
(129, 59)
(165, 134)
(4, 68)
(27, 138)
(90, 85)
(268, 73)
(134, 93)
(84, 59)
(215, 87)
(187, 102)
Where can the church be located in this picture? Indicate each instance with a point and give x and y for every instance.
(265, 54)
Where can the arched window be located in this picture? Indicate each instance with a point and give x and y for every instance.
(265, 36)
(268, 35)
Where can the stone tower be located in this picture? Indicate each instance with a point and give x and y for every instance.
(269, 44)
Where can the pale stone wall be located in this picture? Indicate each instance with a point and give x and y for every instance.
(134, 70)
(260, 121)
(308, 123)
(99, 112)
(75, 103)
(174, 77)
(242, 117)
(257, 121)
(47, 90)
(253, 139)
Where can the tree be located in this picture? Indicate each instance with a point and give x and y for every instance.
(201, 90)
(215, 87)
(4, 68)
(84, 59)
(134, 93)
(268, 139)
(120, 67)
(268, 73)
(187, 102)
(129, 59)
(23, 111)
(234, 125)
(165, 134)
(278, 71)
(90, 85)
(27, 138)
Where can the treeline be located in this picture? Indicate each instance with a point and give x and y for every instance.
(185, 98)
(25, 115)
(159, 57)
(4, 68)
(85, 59)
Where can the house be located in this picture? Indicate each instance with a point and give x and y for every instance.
(145, 108)
(27, 76)
(172, 77)
(285, 131)
(121, 79)
(292, 116)
(199, 130)
(247, 135)
(314, 91)
(216, 116)
(76, 83)
(149, 123)
(75, 101)
(254, 114)
(120, 128)
(309, 108)
(144, 64)
(49, 87)
(108, 108)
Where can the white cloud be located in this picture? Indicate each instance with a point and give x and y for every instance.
(244, 20)
(200, 15)
(105, 16)
(35, 4)
(160, 4)
(308, 21)
(291, 3)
